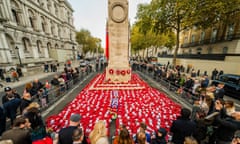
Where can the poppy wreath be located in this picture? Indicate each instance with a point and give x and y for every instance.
(123, 72)
(128, 71)
(111, 71)
(118, 72)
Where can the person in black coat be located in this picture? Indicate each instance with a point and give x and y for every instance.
(2, 120)
(9, 91)
(182, 127)
(25, 101)
(160, 137)
(219, 93)
(11, 107)
(65, 134)
(226, 125)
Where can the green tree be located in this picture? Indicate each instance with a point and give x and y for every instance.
(171, 15)
(88, 42)
(143, 36)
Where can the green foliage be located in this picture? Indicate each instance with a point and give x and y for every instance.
(88, 42)
(164, 16)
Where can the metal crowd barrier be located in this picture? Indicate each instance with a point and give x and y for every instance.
(54, 93)
(171, 86)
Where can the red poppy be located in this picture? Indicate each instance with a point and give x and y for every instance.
(123, 72)
(111, 71)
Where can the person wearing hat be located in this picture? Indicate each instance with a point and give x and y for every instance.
(65, 134)
(11, 106)
(9, 91)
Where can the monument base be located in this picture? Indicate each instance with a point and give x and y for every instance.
(118, 75)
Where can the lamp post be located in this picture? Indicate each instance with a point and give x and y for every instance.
(20, 62)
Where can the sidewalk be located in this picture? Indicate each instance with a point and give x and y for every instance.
(30, 77)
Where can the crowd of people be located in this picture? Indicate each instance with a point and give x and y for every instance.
(211, 120)
(208, 102)
(28, 105)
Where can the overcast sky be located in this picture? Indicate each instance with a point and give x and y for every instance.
(92, 15)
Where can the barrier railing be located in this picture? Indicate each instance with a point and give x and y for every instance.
(181, 92)
(48, 96)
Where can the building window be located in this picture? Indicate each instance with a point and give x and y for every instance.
(16, 12)
(56, 46)
(25, 45)
(39, 46)
(70, 36)
(202, 37)
(43, 23)
(230, 31)
(31, 18)
(52, 29)
(214, 35)
(210, 50)
(15, 16)
(193, 39)
(225, 50)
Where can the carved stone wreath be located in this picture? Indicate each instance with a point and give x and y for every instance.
(118, 12)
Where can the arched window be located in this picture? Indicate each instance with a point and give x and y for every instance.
(56, 46)
(15, 17)
(52, 28)
(25, 45)
(39, 46)
(48, 46)
(43, 23)
(31, 18)
(15, 11)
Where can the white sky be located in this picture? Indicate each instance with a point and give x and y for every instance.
(92, 15)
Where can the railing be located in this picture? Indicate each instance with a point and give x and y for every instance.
(218, 57)
(185, 94)
(49, 96)
(211, 41)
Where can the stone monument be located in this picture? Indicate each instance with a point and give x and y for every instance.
(118, 69)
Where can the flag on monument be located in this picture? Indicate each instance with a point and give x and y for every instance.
(107, 43)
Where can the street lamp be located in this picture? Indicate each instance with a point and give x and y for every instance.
(20, 62)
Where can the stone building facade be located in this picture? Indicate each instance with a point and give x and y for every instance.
(205, 49)
(36, 31)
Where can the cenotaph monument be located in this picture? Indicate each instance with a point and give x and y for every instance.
(118, 69)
